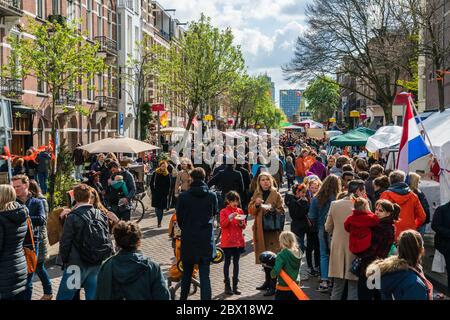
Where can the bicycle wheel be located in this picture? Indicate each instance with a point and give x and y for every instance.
(137, 210)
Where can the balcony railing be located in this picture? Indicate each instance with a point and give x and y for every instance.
(106, 103)
(69, 98)
(165, 35)
(11, 88)
(11, 8)
(107, 45)
(125, 4)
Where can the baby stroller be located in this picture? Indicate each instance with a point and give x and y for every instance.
(176, 270)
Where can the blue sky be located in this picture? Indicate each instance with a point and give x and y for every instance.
(266, 29)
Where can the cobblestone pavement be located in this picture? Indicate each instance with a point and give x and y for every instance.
(157, 245)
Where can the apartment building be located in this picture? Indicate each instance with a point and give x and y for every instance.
(30, 99)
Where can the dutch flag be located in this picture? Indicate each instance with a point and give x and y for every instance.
(412, 145)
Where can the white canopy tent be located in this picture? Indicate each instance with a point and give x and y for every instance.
(293, 127)
(333, 133)
(384, 138)
(437, 127)
(119, 145)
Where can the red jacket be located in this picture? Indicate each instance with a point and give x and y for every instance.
(358, 225)
(232, 232)
(412, 215)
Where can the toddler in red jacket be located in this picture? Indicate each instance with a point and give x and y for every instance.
(233, 222)
(359, 226)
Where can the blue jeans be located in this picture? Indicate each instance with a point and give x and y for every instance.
(299, 179)
(42, 179)
(79, 172)
(87, 280)
(301, 241)
(45, 279)
(205, 282)
(324, 255)
(159, 214)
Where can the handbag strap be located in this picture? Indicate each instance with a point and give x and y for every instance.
(30, 229)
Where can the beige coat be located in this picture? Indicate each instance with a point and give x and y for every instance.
(265, 240)
(183, 182)
(340, 256)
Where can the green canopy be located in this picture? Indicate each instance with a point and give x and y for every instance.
(354, 138)
(285, 124)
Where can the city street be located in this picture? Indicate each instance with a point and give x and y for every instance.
(157, 245)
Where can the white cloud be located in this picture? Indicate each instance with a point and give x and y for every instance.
(266, 30)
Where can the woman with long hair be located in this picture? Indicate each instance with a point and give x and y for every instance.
(318, 212)
(43, 254)
(414, 181)
(13, 229)
(266, 200)
(160, 187)
(383, 238)
(402, 276)
(183, 180)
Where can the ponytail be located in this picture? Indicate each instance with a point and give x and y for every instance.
(392, 208)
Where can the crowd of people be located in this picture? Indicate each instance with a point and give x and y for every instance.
(349, 216)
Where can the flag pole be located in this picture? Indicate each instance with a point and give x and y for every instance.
(423, 128)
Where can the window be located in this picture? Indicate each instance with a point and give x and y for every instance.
(56, 7)
(119, 31)
(100, 20)
(89, 23)
(70, 10)
(110, 25)
(90, 89)
(40, 86)
(110, 76)
(40, 8)
(130, 36)
(100, 84)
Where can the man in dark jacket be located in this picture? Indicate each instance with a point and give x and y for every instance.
(226, 181)
(13, 266)
(441, 225)
(38, 220)
(43, 168)
(78, 159)
(85, 233)
(131, 186)
(195, 214)
(246, 178)
(130, 275)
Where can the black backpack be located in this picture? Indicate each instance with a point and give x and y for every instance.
(94, 244)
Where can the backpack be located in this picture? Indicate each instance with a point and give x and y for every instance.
(94, 244)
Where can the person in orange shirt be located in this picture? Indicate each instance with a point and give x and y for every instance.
(412, 215)
(300, 169)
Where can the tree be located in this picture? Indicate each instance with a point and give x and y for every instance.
(362, 39)
(246, 94)
(323, 97)
(138, 75)
(57, 54)
(201, 67)
(428, 24)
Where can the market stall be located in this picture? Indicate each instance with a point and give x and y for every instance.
(354, 138)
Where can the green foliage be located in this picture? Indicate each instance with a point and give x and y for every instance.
(145, 118)
(323, 97)
(64, 180)
(252, 101)
(203, 65)
(58, 54)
